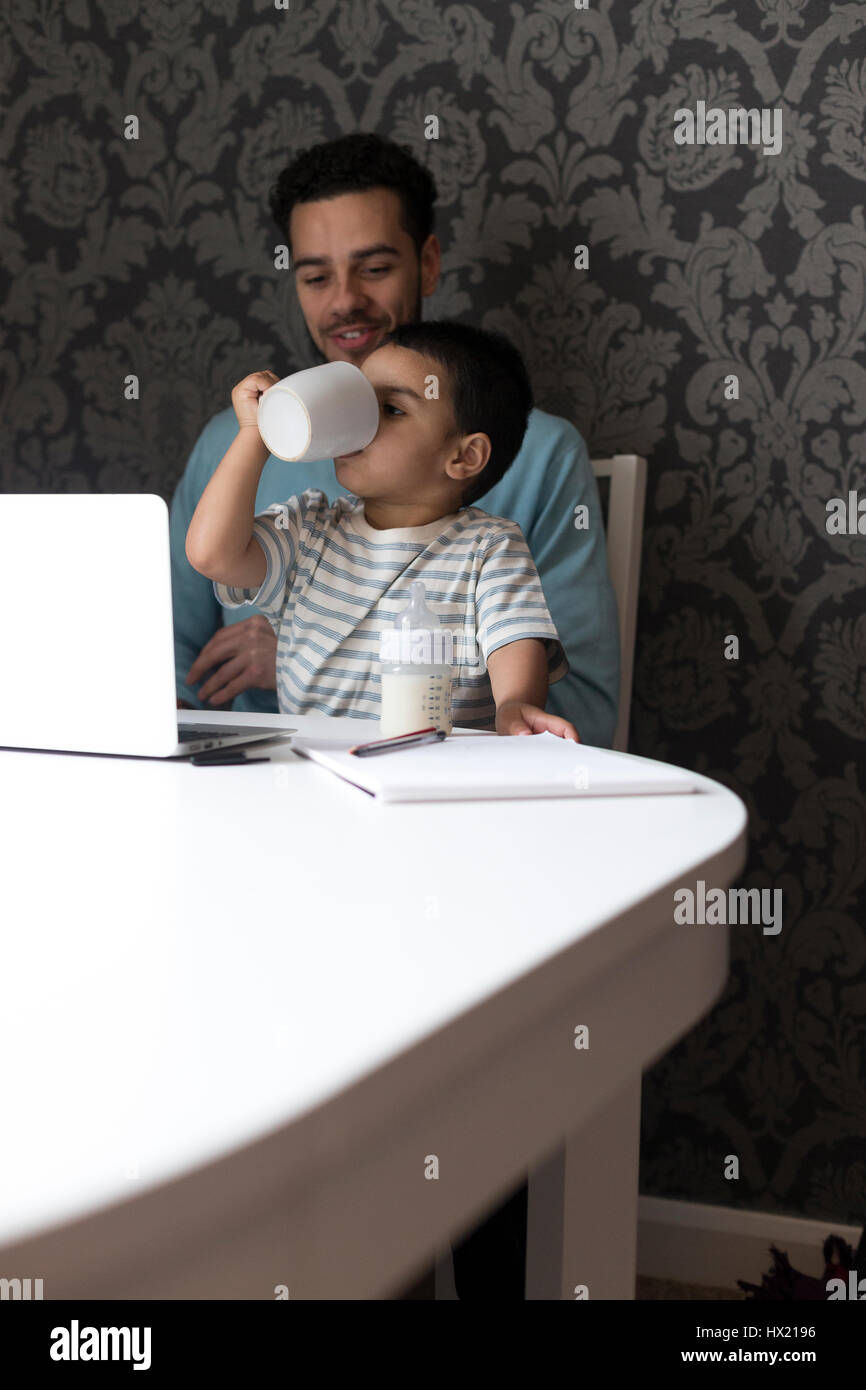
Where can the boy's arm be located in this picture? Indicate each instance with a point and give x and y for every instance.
(518, 679)
(220, 541)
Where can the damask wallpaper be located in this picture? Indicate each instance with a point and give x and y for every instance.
(715, 324)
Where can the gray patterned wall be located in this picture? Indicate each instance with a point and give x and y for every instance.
(155, 257)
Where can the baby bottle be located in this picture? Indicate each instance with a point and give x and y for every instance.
(415, 655)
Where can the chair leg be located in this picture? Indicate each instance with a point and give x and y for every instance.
(423, 1288)
(446, 1289)
(582, 1224)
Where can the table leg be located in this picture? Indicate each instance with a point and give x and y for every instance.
(582, 1224)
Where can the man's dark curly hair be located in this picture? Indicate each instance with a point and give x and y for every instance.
(352, 164)
(489, 385)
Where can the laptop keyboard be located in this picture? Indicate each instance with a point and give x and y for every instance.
(188, 733)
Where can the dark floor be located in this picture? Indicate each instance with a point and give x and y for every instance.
(669, 1288)
(645, 1289)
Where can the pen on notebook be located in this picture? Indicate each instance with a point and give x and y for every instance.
(393, 745)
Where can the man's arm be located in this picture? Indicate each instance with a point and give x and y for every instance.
(572, 564)
(219, 544)
(552, 476)
(197, 614)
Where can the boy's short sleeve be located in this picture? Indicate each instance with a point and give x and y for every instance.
(278, 532)
(510, 603)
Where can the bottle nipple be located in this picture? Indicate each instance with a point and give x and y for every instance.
(416, 614)
(416, 636)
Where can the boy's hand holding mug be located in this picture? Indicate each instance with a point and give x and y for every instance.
(246, 395)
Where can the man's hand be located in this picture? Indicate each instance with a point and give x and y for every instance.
(238, 655)
(517, 717)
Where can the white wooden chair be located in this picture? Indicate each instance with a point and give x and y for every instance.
(563, 1189)
(549, 1195)
(624, 531)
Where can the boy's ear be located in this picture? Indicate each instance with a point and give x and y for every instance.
(473, 453)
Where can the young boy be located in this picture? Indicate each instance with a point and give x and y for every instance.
(454, 403)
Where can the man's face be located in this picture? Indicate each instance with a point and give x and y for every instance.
(417, 438)
(357, 272)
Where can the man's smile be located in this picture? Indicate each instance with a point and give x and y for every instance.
(356, 337)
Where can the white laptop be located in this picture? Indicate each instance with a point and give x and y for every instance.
(86, 631)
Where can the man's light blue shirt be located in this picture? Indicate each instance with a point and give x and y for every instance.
(550, 478)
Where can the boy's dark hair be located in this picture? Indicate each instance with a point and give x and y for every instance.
(352, 164)
(490, 388)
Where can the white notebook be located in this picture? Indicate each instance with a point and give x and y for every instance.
(480, 766)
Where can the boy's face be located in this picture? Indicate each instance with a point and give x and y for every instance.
(417, 456)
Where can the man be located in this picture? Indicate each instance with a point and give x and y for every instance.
(357, 216)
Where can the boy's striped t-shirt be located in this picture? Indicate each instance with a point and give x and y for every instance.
(334, 584)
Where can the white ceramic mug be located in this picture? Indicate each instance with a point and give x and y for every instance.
(319, 413)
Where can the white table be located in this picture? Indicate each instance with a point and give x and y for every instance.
(242, 1008)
